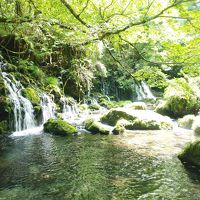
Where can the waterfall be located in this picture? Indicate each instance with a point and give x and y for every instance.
(48, 107)
(143, 91)
(23, 112)
(69, 111)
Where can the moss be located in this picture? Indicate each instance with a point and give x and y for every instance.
(118, 129)
(5, 108)
(4, 128)
(138, 106)
(59, 127)
(137, 120)
(31, 95)
(97, 127)
(94, 107)
(113, 116)
(180, 99)
(191, 153)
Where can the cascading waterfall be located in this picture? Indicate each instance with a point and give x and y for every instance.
(22, 108)
(48, 107)
(143, 91)
(69, 111)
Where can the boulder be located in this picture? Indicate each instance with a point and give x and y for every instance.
(186, 121)
(137, 119)
(179, 99)
(137, 106)
(97, 127)
(59, 127)
(191, 154)
(196, 125)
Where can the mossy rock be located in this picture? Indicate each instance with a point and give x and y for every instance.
(196, 125)
(186, 122)
(191, 154)
(118, 129)
(137, 119)
(5, 108)
(4, 127)
(31, 95)
(138, 106)
(97, 127)
(59, 127)
(179, 99)
(94, 107)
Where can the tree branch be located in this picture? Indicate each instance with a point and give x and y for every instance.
(145, 20)
(70, 9)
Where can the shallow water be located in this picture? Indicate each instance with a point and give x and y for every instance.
(139, 165)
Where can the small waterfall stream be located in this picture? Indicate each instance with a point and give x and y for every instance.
(22, 108)
(48, 108)
(143, 91)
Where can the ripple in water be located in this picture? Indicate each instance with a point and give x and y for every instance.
(95, 167)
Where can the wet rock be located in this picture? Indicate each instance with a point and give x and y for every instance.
(196, 125)
(137, 119)
(59, 127)
(179, 99)
(97, 127)
(191, 154)
(137, 106)
(186, 121)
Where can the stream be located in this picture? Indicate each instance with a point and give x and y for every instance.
(137, 165)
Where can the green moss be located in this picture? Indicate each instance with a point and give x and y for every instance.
(191, 153)
(4, 127)
(59, 127)
(97, 127)
(31, 95)
(118, 129)
(180, 99)
(113, 116)
(94, 107)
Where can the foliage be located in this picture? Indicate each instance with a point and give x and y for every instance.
(153, 76)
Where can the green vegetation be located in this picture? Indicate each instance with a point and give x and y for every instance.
(191, 153)
(31, 95)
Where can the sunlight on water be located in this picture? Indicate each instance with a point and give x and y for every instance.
(96, 167)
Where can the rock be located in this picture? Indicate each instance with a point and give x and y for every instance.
(180, 99)
(137, 119)
(137, 106)
(94, 107)
(97, 127)
(196, 125)
(119, 128)
(186, 121)
(191, 153)
(4, 128)
(31, 95)
(59, 127)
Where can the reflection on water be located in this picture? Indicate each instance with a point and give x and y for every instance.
(95, 167)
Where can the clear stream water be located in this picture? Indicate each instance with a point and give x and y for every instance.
(139, 165)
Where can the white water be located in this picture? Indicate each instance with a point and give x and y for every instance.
(22, 108)
(70, 111)
(48, 107)
(143, 91)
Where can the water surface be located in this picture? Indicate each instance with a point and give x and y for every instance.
(138, 165)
